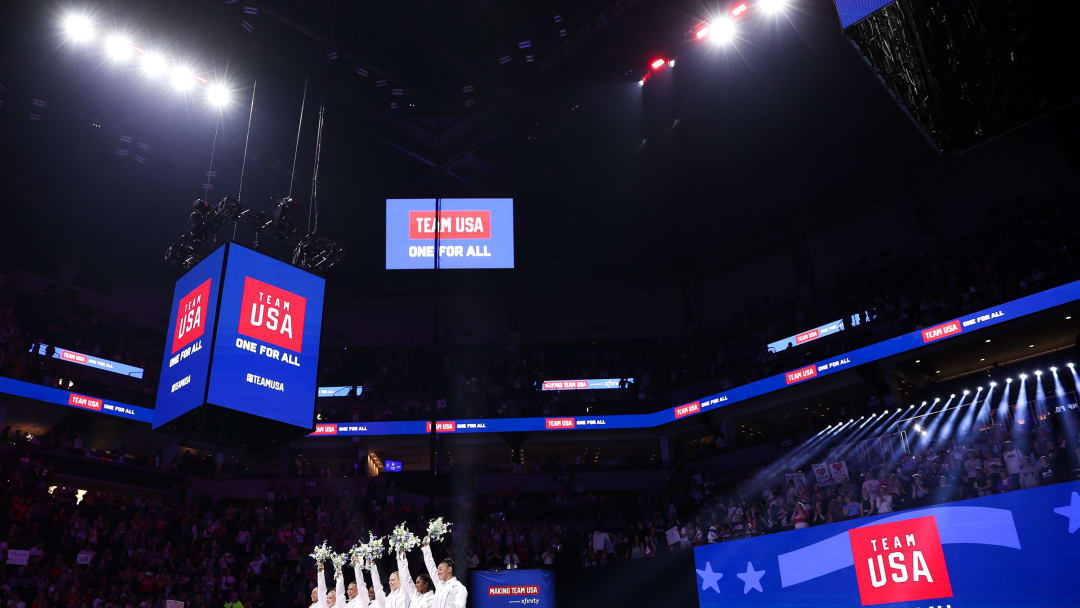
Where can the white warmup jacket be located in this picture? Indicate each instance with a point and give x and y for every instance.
(448, 594)
(361, 600)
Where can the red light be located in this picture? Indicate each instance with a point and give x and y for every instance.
(702, 32)
(658, 63)
(739, 9)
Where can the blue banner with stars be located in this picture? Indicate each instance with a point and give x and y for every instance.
(1016, 549)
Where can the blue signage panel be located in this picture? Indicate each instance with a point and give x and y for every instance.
(335, 391)
(79, 401)
(586, 384)
(1000, 551)
(266, 349)
(508, 588)
(72, 356)
(392, 466)
(472, 233)
(853, 11)
(184, 367)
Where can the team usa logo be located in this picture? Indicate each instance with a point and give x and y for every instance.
(90, 403)
(191, 316)
(452, 225)
(900, 562)
(941, 331)
(799, 375)
(271, 314)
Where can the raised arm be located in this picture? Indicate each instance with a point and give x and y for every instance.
(406, 579)
(361, 600)
(380, 593)
(429, 563)
(321, 582)
(339, 599)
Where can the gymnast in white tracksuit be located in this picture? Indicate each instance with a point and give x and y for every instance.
(396, 597)
(421, 592)
(336, 598)
(356, 599)
(449, 592)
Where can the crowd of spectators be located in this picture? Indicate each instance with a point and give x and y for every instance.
(151, 545)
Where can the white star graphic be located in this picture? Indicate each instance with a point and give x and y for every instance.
(1072, 511)
(751, 578)
(709, 578)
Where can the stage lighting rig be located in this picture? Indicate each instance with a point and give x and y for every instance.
(311, 252)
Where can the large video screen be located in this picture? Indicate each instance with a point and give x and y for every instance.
(999, 551)
(472, 233)
(184, 368)
(266, 351)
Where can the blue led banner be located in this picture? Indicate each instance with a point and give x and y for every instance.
(78, 358)
(335, 391)
(509, 588)
(588, 384)
(392, 466)
(999, 551)
(806, 336)
(989, 317)
(78, 401)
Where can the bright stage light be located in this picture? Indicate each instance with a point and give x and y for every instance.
(917, 427)
(154, 65)
(936, 399)
(658, 63)
(670, 63)
(978, 390)
(119, 48)
(1023, 376)
(723, 30)
(641, 82)
(1053, 368)
(966, 392)
(702, 32)
(993, 384)
(1008, 380)
(183, 79)
(773, 7)
(898, 409)
(1038, 372)
(952, 396)
(1068, 365)
(739, 9)
(79, 28)
(218, 95)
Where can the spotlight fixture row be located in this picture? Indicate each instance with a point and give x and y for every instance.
(79, 29)
(721, 30)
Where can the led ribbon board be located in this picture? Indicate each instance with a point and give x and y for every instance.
(1018, 548)
(982, 319)
(244, 335)
(93, 361)
(472, 233)
(584, 385)
(806, 336)
(80, 401)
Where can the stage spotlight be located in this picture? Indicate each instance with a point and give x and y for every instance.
(641, 82)
(183, 79)
(739, 9)
(978, 390)
(953, 396)
(993, 384)
(1068, 365)
(1038, 372)
(898, 409)
(1008, 380)
(773, 7)
(924, 403)
(937, 399)
(1053, 368)
(670, 63)
(79, 28)
(658, 63)
(912, 406)
(722, 31)
(218, 95)
(702, 32)
(119, 48)
(153, 65)
(1023, 376)
(917, 427)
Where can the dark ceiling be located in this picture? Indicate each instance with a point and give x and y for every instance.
(728, 151)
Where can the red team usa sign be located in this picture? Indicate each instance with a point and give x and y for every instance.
(271, 314)
(900, 562)
(191, 316)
